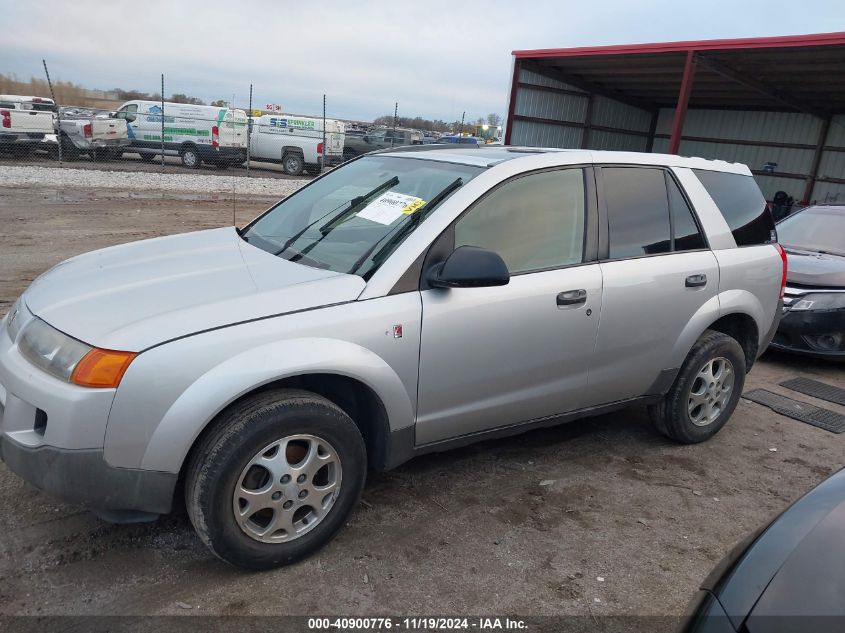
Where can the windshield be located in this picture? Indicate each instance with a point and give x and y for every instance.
(815, 229)
(353, 218)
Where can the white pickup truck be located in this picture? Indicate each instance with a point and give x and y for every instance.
(24, 122)
(92, 131)
(296, 142)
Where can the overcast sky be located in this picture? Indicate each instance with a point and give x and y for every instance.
(436, 58)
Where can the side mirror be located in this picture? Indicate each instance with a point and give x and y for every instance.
(130, 118)
(469, 267)
(367, 138)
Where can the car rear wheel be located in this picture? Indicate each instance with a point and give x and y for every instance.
(292, 164)
(705, 392)
(275, 479)
(190, 157)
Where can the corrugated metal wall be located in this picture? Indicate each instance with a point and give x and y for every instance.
(557, 119)
(545, 118)
(832, 164)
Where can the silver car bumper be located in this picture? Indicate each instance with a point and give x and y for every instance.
(51, 435)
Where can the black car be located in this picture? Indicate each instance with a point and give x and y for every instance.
(788, 577)
(813, 321)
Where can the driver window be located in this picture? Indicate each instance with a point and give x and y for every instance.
(534, 222)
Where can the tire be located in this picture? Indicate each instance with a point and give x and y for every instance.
(190, 157)
(99, 155)
(292, 164)
(115, 153)
(220, 467)
(698, 405)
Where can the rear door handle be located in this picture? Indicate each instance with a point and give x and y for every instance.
(696, 281)
(572, 297)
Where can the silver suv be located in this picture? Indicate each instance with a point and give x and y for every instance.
(409, 301)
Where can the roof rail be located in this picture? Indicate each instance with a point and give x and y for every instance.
(425, 148)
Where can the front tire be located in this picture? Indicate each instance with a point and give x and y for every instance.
(275, 479)
(705, 392)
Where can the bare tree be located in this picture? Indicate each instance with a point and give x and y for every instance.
(494, 119)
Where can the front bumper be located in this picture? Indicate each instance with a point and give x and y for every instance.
(83, 477)
(52, 434)
(817, 333)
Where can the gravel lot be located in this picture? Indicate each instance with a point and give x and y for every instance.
(597, 517)
(97, 179)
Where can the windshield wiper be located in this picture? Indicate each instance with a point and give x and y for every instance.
(412, 221)
(355, 203)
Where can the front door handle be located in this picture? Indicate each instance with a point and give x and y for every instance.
(572, 297)
(696, 281)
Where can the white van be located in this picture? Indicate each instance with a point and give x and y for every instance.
(194, 133)
(296, 142)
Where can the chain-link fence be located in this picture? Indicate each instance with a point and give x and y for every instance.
(85, 129)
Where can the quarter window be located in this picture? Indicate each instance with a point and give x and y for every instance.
(637, 211)
(741, 203)
(533, 223)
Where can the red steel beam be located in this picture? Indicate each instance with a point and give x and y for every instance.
(746, 43)
(517, 67)
(683, 102)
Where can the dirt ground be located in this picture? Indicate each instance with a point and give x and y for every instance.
(523, 526)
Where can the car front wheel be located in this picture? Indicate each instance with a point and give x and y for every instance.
(705, 392)
(275, 478)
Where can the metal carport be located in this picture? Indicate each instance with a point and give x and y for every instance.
(776, 104)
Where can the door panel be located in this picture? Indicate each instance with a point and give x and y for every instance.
(492, 357)
(646, 305)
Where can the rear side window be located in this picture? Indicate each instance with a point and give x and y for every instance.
(637, 211)
(743, 206)
(687, 234)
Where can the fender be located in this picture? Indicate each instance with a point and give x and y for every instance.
(223, 384)
(708, 313)
(738, 301)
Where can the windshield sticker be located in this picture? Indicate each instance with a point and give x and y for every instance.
(390, 206)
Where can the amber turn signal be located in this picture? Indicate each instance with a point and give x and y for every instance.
(101, 368)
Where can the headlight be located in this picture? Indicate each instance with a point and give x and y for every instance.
(13, 320)
(70, 360)
(54, 352)
(821, 301)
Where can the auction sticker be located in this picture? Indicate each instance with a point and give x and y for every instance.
(390, 206)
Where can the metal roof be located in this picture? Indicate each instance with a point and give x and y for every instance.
(792, 73)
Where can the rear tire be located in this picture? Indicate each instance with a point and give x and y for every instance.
(292, 164)
(288, 518)
(705, 392)
(190, 157)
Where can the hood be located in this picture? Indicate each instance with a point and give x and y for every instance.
(809, 268)
(136, 295)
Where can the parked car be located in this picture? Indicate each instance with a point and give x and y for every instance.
(813, 320)
(460, 139)
(195, 133)
(405, 302)
(24, 121)
(93, 132)
(380, 139)
(296, 142)
(788, 577)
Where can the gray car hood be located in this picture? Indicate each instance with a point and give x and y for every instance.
(136, 295)
(809, 268)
